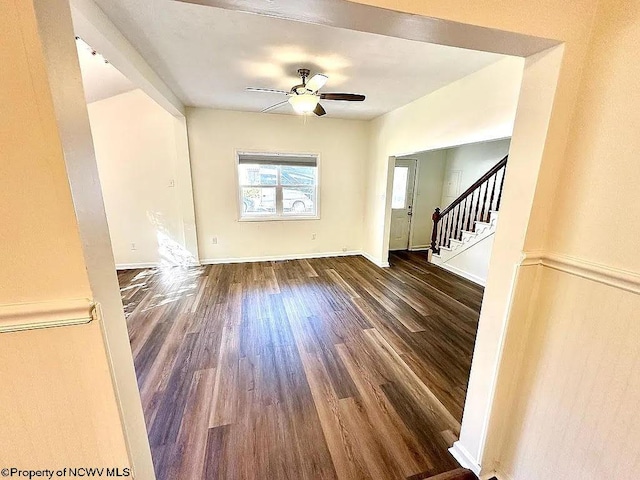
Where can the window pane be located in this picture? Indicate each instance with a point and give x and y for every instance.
(299, 200)
(399, 195)
(257, 201)
(257, 174)
(294, 175)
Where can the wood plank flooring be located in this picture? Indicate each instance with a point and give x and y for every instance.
(316, 369)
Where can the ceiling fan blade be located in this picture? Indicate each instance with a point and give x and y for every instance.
(319, 111)
(266, 90)
(317, 82)
(273, 107)
(348, 97)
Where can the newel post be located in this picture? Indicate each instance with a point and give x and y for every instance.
(434, 233)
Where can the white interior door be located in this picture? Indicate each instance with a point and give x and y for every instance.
(404, 175)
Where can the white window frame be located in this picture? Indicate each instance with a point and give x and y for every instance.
(279, 216)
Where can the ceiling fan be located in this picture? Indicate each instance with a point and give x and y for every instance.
(305, 98)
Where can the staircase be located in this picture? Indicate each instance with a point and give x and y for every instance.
(470, 218)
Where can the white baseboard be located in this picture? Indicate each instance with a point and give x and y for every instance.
(464, 458)
(418, 248)
(276, 258)
(266, 258)
(135, 266)
(132, 266)
(462, 273)
(375, 261)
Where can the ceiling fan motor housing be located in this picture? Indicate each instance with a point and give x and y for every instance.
(301, 89)
(304, 73)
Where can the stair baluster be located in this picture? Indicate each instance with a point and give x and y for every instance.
(454, 215)
(464, 217)
(500, 191)
(462, 214)
(469, 210)
(484, 213)
(475, 216)
(493, 193)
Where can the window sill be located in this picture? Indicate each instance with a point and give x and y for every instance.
(278, 219)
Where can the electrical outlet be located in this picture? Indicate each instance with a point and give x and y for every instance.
(133, 246)
(313, 236)
(172, 183)
(344, 249)
(214, 240)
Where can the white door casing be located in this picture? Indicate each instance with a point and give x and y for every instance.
(404, 175)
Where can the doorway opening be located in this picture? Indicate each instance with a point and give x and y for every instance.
(404, 179)
(446, 202)
(447, 254)
(545, 81)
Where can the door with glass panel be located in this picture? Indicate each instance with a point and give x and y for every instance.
(404, 174)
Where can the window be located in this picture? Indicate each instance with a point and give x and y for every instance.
(399, 193)
(277, 186)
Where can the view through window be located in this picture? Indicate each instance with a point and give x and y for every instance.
(278, 186)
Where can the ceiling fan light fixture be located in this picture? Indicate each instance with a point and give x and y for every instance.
(304, 103)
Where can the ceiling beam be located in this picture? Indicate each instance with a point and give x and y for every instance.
(94, 27)
(366, 18)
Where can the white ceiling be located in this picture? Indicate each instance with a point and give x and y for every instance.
(100, 80)
(208, 56)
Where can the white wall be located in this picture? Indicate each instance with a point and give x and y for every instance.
(472, 161)
(135, 144)
(214, 138)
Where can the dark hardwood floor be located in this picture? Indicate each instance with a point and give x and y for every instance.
(307, 369)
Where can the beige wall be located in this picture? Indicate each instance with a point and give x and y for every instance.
(597, 201)
(58, 405)
(575, 406)
(35, 187)
(573, 411)
(214, 138)
(135, 144)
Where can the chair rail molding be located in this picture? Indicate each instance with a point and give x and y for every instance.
(58, 313)
(608, 275)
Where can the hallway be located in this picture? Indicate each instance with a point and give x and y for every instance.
(320, 368)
